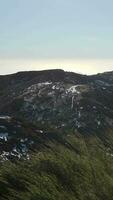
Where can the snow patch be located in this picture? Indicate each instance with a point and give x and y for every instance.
(4, 136)
(73, 89)
(5, 117)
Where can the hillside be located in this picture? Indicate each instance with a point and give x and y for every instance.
(56, 136)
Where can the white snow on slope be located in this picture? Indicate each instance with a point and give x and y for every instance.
(4, 136)
(73, 89)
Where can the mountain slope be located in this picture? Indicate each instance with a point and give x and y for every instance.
(56, 136)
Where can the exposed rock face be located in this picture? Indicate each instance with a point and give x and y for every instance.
(54, 98)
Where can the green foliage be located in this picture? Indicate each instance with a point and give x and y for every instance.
(60, 173)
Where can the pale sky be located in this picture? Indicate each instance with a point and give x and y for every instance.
(75, 35)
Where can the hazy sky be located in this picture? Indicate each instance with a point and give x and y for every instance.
(76, 35)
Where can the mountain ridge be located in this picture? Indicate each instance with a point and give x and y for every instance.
(57, 69)
(56, 136)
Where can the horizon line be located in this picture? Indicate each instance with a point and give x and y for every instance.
(25, 71)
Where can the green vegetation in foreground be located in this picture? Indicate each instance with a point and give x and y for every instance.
(81, 171)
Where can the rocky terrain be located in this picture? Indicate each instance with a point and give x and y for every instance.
(52, 118)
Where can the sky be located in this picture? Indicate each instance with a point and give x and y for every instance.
(74, 35)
